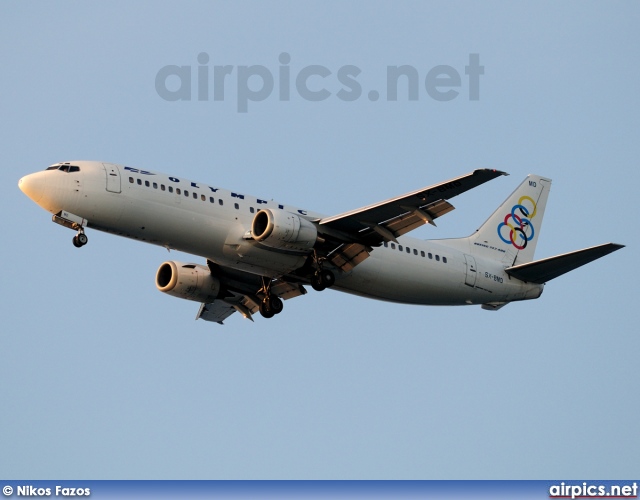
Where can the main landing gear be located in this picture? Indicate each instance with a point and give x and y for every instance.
(322, 278)
(271, 304)
(80, 239)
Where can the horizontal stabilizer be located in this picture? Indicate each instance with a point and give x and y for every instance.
(541, 271)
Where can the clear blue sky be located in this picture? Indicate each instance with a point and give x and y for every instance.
(102, 376)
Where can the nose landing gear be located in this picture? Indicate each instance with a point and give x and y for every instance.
(80, 239)
(75, 222)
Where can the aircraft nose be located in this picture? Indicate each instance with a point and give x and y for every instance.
(32, 186)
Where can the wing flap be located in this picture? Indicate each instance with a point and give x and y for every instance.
(286, 290)
(217, 311)
(416, 217)
(348, 256)
(541, 271)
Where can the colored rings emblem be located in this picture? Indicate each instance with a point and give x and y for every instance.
(517, 228)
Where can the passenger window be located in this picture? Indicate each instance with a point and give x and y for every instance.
(415, 252)
(444, 259)
(438, 258)
(146, 183)
(139, 182)
(251, 209)
(162, 187)
(220, 201)
(393, 246)
(236, 205)
(178, 191)
(211, 199)
(186, 193)
(430, 255)
(386, 244)
(408, 250)
(171, 189)
(155, 185)
(422, 253)
(203, 197)
(195, 196)
(131, 180)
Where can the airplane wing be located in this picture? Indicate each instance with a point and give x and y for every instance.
(243, 295)
(358, 231)
(543, 270)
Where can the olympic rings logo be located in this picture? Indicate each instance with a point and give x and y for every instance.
(518, 223)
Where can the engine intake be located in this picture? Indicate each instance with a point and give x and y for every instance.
(188, 281)
(280, 229)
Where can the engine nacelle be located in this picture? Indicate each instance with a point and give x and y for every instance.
(280, 229)
(188, 281)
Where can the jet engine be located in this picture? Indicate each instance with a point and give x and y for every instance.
(188, 281)
(280, 229)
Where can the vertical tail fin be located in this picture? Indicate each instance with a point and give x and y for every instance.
(512, 232)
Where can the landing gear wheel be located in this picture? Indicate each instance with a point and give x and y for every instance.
(316, 284)
(82, 239)
(275, 304)
(327, 278)
(265, 309)
(322, 279)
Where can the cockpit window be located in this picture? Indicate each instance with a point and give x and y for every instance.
(65, 168)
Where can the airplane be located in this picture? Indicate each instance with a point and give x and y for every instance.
(259, 252)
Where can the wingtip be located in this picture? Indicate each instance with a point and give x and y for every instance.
(491, 170)
(611, 246)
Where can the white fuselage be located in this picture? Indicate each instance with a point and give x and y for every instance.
(214, 223)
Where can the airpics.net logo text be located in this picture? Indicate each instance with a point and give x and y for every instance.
(590, 490)
(313, 82)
